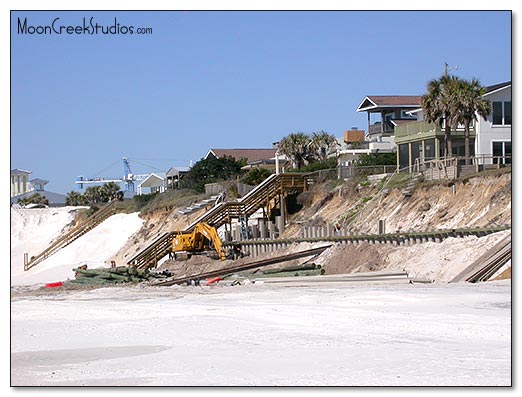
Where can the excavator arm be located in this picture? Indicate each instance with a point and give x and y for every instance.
(211, 234)
(195, 241)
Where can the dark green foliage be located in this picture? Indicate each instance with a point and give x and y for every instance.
(94, 195)
(34, 199)
(211, 170)
(169, 200)
(302, 149)
(377, 159)
(255, 176)
(75, 199)
(108, 191)
(142, 199)
(326, 164)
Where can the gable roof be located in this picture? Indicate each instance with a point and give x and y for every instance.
(489, 90)
(153, 180)
(175, 171)
(374, 102)
(248, 154)
(497, 87)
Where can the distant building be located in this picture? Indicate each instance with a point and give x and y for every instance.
(391, 111)
(355, 143)
(174, 175)
(490, 139)
(155, 183)
(37, 186)
(20, 182)
(261, 158)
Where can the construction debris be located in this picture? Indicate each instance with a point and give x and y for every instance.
(116, 275)
(243, 267)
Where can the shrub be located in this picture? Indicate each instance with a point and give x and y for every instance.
(255, 176)
(305, 198)
(141, 200)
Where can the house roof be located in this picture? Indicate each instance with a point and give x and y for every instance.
(248, 154)
(377, 102)
(54, 198)
(175, 171)
(18, 171)
(489, 90)
(38, 181)
(496, 87)
(153, 180)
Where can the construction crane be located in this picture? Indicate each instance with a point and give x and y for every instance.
(128, 178)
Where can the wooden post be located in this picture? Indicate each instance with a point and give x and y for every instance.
(409, 157)
(382, 226)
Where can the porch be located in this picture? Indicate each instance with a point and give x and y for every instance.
(454, 167)
(419, 141)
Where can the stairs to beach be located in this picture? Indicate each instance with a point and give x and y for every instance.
(73, 234)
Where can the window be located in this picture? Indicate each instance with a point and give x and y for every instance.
(507, 113)
(405, 115)
(501, 149)
(501, 113)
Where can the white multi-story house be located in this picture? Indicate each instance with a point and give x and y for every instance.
(490, 139)
(493, 136)
(20, 182)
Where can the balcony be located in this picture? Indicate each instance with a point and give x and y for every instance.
(376, 128)
(418, 130)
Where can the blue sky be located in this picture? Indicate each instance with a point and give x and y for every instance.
(79, 103)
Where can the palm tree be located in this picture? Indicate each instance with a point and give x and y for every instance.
(35, 198)
(470, 104)
(297, 147)
(92, 194)
(74, 199)
(439, 106)
(108, 191)
(323, 143)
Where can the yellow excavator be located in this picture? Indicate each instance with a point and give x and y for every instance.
(202, 239)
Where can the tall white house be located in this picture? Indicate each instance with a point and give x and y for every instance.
(490, 138)
(494, 134)
(20, 182)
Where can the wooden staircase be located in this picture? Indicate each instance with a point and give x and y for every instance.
(271, 187)
(259, 197)
(73, 234)
(488, 264)
(150, 256)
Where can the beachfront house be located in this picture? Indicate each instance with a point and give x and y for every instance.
(419, 141)
(385, 114)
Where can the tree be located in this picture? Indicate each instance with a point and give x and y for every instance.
(93, 194)
(108, 191)
(470, 104)
(211, 169)
(297, 147)
(324, 144)
(439, 105)
(35, 198)
(377, 159)
(75, 199)
(255, 176)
